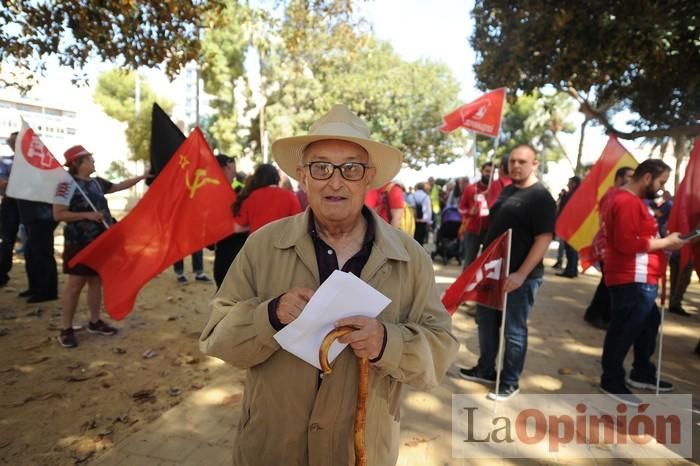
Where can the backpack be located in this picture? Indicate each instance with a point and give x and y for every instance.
(408, 219)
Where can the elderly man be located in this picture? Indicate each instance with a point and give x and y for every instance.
(290, 414)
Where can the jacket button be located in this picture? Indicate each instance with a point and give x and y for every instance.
(314, 427)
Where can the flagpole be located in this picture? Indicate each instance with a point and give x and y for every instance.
(104, 222)
(501, 337)
(661, 330)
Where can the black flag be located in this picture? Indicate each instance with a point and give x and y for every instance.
(166, 137)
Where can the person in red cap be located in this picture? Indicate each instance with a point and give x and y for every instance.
(86, 218)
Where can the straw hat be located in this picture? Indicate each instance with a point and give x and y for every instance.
(339, 123)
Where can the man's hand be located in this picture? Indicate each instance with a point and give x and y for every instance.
(674, 242)
(514, 281)
(292, 303)
(94, 216)
(367, 340)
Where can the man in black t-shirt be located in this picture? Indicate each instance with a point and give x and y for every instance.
(529, 210)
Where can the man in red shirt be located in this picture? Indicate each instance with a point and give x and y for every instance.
(381, 198)
(475, 214)
(634, 261)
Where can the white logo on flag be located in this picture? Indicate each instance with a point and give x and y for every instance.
(492, 269)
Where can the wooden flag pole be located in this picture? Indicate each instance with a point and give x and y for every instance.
(661, 331)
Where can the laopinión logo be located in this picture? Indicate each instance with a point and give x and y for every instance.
(571, 426)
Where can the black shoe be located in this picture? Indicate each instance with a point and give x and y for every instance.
(101, 328)
(41, 299)
(25, 294)
(648, 384)
(476, 375)
(567, 275)
(67, 338)
(697, 349)
(598, 323)
(680, 311)
(505, 392)
(557, 265)
(622, 395)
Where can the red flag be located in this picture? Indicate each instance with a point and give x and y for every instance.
(484, 280)
(482, 115)
(187, 207)
(685, 213)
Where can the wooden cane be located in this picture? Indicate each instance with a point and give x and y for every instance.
(362, 384)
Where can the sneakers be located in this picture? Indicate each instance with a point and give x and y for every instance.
(622, 395)
(201, 277)
(101, 328)
(680, 311)
(475, 374)
(67, 338)
(181, 279)
(649, 384)
(505, 392)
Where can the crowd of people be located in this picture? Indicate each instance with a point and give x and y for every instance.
(348, 214)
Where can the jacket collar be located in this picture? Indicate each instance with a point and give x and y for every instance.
(387, 241)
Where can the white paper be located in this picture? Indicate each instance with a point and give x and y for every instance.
(341, 295)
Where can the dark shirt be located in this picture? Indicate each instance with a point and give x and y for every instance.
(84, 231)
(5, 169)
(529, 212)
(327, 262)
(34, 211)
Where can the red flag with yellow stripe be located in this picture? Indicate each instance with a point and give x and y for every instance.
(187, 207)
(579, 221)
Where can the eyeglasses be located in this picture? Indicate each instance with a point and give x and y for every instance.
(351, 171)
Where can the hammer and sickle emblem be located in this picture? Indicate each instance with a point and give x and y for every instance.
(200, 179)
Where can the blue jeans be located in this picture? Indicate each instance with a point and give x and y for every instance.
(571, 260)
(197, 264)
(634, 321)
(520, 302)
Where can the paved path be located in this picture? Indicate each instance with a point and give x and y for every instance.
(563, 358)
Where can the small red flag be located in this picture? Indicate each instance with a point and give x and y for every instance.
(482, 115)
(187, 207)
(484, 280)
(685, 213)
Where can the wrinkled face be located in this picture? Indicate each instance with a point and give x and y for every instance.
(521, 164)
(654, 185)
(335, 199)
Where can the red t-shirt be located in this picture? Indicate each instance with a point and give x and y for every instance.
(375, 200)
(629, 226)
(474, 208)
(266, 205)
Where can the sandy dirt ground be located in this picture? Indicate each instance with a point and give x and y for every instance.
(71, 406)
(63, 406)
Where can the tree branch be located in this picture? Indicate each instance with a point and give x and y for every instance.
(689, 131)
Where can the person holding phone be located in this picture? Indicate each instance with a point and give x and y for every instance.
(634, 261)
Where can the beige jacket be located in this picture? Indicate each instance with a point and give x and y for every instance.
(287, 418)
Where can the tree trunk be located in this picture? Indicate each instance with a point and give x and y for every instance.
(579, 155)
(680, 149)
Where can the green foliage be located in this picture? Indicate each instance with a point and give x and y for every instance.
(641, 56)
(117, 171)
(129, 33)
(313, 58)
(116, 93)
